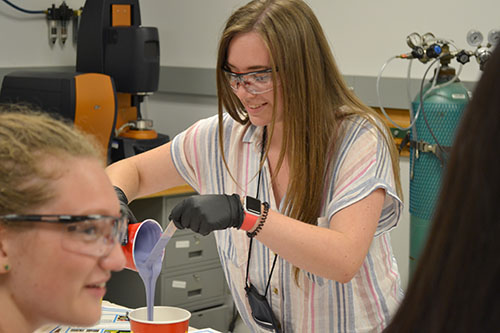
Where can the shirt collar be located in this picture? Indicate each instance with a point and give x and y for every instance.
(253, 134)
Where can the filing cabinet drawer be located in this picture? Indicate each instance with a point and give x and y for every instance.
(192, 287)
(218, 318)
(189, 249)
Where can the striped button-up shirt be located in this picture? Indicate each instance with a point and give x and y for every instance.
(315, 304)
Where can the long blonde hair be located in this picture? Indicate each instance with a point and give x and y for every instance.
(26, 138)
(313, 92)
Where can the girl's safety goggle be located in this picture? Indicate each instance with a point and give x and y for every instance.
(94, 235)
(255, 83)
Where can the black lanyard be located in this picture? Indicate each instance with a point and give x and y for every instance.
(264, 139)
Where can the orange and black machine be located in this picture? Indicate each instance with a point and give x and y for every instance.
(117, 66)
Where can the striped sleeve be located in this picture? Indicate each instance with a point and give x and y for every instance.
(364, 165)
(193, 153)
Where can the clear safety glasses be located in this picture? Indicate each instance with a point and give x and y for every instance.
(256, 83)
(94, 235)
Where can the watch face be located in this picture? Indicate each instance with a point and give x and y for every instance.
(252, 205)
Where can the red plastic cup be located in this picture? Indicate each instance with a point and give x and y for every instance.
(167, 319)
(142, 237)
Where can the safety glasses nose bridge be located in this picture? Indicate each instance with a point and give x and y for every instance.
(257, 82)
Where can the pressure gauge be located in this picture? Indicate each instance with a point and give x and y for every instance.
(494, 36)
(413, 40)
(474, 37)
(427, 37)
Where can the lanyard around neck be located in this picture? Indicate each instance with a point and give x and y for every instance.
(264, 139)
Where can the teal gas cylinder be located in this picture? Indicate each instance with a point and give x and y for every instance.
(443, 108)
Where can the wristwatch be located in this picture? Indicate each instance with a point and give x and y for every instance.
(252, 209)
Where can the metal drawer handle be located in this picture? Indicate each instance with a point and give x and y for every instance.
(196, 292)
(193, 254)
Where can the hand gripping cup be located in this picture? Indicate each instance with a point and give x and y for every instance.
(167, 319)
(142, 237)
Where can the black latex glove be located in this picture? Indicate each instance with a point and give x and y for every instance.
(206, 213)
(124, 207)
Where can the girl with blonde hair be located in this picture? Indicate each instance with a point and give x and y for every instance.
(60, 224)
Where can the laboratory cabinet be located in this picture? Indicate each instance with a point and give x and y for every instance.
(191, 277)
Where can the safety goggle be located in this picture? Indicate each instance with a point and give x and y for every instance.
(94, 235)
(256, 83)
